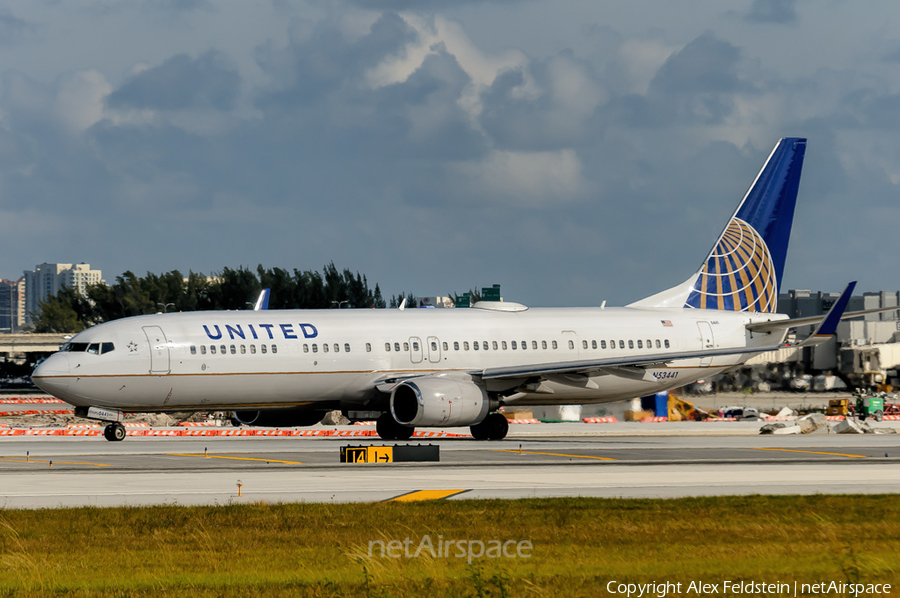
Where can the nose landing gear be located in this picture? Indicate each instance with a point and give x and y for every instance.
(114, 432)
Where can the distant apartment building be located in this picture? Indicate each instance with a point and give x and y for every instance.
(47, 279)
(12, 304)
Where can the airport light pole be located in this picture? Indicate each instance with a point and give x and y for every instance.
(339, 303)
(165, 306)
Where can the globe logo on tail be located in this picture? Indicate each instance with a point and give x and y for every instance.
(739, 274)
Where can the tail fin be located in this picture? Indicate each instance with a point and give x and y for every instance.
(744, 268)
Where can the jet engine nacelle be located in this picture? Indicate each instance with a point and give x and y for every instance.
(439, 402)
(279, 418)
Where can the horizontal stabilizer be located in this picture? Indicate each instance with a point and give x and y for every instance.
(776, 325)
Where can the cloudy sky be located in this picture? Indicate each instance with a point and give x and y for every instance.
(573, 151)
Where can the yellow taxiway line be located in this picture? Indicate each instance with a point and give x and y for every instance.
(425, 495)
(234, 458)
(809, 452)
(554, 454)
(59, 462)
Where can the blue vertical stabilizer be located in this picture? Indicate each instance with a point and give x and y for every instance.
(744, 269)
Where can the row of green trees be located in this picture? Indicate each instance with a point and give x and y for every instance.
(232, 288)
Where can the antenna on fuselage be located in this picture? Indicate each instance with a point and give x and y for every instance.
(403, 304)
(603, 305)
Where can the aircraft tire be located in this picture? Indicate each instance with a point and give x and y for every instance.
(387, 428)
(114, 432)
(494, 427)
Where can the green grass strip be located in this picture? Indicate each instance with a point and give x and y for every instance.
(578, 546)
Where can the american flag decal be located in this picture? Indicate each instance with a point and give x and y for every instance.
(666, 323)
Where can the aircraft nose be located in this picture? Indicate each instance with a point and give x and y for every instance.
(52, 374)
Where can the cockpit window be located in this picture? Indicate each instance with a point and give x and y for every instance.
(76, 347)
(107, 348)
(94, 349)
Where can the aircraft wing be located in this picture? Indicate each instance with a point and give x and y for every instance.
(776, 325)
(614, 365)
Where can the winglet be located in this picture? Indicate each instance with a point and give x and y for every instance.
(828, 327)
(263, 301)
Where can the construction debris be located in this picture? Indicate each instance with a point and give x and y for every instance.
(812, 422)
(851, 426)
(805, 425)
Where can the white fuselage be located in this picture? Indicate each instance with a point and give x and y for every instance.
(269, 359)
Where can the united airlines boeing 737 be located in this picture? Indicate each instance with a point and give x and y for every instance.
(450, 367)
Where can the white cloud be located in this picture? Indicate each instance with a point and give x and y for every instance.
(80, 99)
(526, 179)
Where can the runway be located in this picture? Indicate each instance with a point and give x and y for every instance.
(140, 471)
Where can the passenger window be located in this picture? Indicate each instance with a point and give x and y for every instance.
(243, 349)
(503, 345)
(631, 344)
(640, 344)
(571, 344)
(233, 350)
(584, 344)
(202, 349)
(667, 343)
(337, 348)
(621, 344)
(602, 344)
(315, 348)
(347, 347)
(368, 347)
(262, 348)
(324, 348)
(593, 344)
(446, 346)
(534, 345)
(466, 345)
(555, 346)
(212, 349)
(223, 349)
(107, 348)
(494, 345)
(94, 349)
(274, 348)
(514, 345)
(397, 347)
(456, 345)
(649, 344)
(305, 347)
(524, 345)
(253, 349)
(475, 345)
(193, 349)
(406, 346)
(657, 343)
(484, 345)
(543, 344)
(387, 347)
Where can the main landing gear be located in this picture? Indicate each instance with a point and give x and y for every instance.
(388, 428)
(114, 432)
(493, 427)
